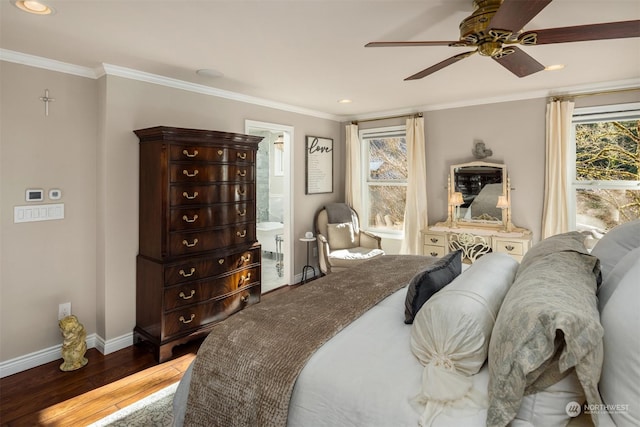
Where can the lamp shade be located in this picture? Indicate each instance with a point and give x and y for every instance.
(503, 203)
(456, 199)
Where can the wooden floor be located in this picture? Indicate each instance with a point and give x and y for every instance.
(46, 396)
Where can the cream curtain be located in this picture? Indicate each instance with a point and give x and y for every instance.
(415, 215)
(353, 176)
(555, 216)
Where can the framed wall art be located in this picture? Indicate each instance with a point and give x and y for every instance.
(319, 165)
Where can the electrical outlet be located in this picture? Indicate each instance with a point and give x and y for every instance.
(315, 252)
(64, 310)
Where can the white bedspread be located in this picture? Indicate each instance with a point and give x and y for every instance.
(364, 376)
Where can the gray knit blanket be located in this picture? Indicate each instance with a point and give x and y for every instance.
(338, 213)
(246, 368)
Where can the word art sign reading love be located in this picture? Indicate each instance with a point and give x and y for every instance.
(319, 165)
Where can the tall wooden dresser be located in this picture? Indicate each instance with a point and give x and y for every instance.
(199, 260)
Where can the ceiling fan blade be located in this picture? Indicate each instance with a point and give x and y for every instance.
(513, 15)
(519, 62)
(579, 33)
(411, 43)
(440, 65)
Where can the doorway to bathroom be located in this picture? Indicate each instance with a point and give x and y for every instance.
(273, 206)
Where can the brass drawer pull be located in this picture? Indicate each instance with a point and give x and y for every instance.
(242, 156)
(189, 274)
(190, 174)
(244, 259)
(220, 152)
(241, 234)
(185, 321)
(183, 296)
(187, 219)
(509, 247)
(190, 245)
(244, 299)
(434, 240)
(221, 261)
(187, 196)
(242, 213)
(434, 253)
(242, 173)
(245, 279)
(186, 153)
(242, 191)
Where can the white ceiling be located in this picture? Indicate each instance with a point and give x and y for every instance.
(310, 53)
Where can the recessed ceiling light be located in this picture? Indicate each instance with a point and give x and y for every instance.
(344, 101)
(32, 6)
(554, 67)
(209, 72)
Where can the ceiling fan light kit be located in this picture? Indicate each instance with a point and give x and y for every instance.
(495, 28)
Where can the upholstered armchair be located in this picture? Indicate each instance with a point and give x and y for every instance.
(341, 243)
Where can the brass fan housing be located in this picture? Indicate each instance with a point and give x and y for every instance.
(473, 29)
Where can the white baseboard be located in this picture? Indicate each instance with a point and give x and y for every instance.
(115, 344)
(40, 357)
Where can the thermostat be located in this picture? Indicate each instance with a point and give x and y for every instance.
(34, 195)
(55, 194)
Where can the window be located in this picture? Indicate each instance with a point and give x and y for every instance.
(385, 173)
(605, 187)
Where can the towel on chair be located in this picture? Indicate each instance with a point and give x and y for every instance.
(338, 213)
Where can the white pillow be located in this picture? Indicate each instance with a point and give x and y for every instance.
(615, 276)
(341, 236)
(451, 332)
(549, 408)
(615, 244)
(620, 379)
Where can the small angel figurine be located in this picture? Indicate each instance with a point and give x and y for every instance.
(74, 345)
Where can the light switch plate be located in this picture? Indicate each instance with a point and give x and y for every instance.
(32, 213)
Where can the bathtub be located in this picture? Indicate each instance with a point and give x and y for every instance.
(267, 232)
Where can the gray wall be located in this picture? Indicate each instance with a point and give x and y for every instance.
(46, 263)
(87, 148)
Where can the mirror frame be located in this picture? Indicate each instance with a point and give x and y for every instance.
(506, 212)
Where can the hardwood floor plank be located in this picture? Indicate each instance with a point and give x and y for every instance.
(44, 395)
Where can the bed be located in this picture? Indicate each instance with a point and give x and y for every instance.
(369, 372)
(484, 203)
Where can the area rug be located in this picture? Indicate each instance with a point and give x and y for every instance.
(153, 410)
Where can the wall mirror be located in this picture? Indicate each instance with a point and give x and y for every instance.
(478, 194)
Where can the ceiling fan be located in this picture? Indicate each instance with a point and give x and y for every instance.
(494, 29)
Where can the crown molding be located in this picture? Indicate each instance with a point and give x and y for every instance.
(46, 63)
(116, 70)
(128, 73)
(521, 96)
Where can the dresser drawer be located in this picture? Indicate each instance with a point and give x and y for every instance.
(509, 247)
(185, 195)
(211, 216)
(210, 154)
(202, 172)
(432, 250)
(434, 239)
(182, 243)
(202, 291)
(192, 317)
(203, 267)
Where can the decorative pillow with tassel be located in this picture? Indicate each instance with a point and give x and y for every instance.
(451, 332)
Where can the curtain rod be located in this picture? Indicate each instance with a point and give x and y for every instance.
(355, 122)
(580, 95)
